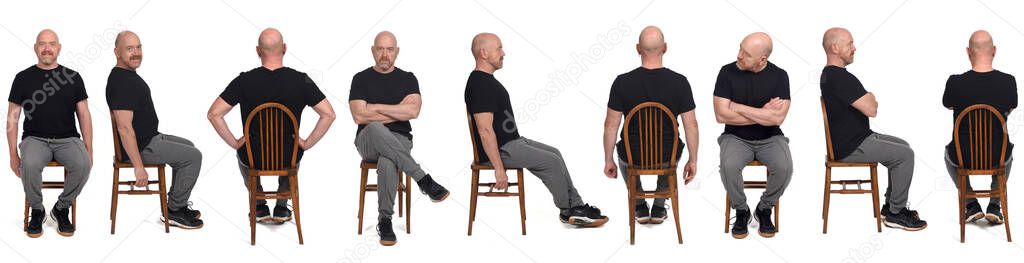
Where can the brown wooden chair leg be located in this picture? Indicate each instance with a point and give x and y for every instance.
(960, 205)
(408, 203)
(26, 213)
(294, 183)
(113, 200)
(777, 215)
(74, 213)
(163, 199)
(874, 196)
(1005, 202)
(728, 212)
(824, 205)
(631, 190)
(362, 197)
(401, 196)
(522, 200)
(675, 206)
(252, 208)
(472, 199)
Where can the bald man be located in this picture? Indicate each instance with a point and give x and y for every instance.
(383, 99)
(980, 85)
(752, 99)
(499, 144)
(271, 82)
(130, 101)
(51, 96)
(848, 106)
(651, 82)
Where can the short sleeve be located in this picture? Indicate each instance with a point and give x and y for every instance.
(233, 93)
(615, 96)
(413, 85)
(723, 88)
(122, 97)
(313, 94)
(80, 92)
(1013, 88)
(782, 90)
(686, 97)
(947, 94)
(17, 95)
(482, 97)
(849, 89)
(358, 90)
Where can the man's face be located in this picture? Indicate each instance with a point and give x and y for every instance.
(496, 55)
(384, 54)
(47, 49)
(129, 53)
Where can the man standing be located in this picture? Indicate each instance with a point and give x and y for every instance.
(51, 96)
(383, 99)
(752, 100)
(130, 100)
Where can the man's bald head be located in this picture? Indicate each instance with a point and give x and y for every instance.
(271, 42)
(980, 40)
(754, 51)
(652, 41)
(488, 52)
(385, 51)
(835, 35)
(47, 48)
(981, 50)
(47, 35)
(838, 45)
(128, 50)
(123, 37)
(483, 41)
(385, 39)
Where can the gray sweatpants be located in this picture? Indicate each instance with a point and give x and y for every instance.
(283, 185)
(547, 164)
(392, 152)
(737, 152)
(897, 156)
(951, 168)
(37, 152)
(185, 161)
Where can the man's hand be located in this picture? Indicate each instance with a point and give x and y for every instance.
(500, 180)
(238, 143)
(773, 104)
(303, 144)
(16, 165)
(141, 177)
(689, 171)
(610, 170)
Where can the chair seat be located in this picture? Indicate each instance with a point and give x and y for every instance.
(846, 164)
(129, 165)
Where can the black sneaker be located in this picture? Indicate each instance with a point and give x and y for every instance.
(993, 214)
(739, 228)
(973, 212)
(765, 226)
(658, 214)
(905, 220)
(183, 219)
(194, 213)
(436, 192)
(263, 214)
(387, 235)
(583, 216)
(643, 213)
(34, 228)
(64, 226)
(885, 207)
(282, 214)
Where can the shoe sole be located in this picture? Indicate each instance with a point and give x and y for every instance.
(643, 220)
(264, 220)
(993, 219)
(180, 225)
(976, 217)
(442, 198)
(740, 236)
(388, 243)
(898, 226)
(657, 221)
(766, 235)
(280, 220)
(64, 234)
(586, 223)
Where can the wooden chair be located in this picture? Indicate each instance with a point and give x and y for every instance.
(403, 189)
(831, 162)
(56, 185)
(116, 189)
(271, 119)
(751, 185)
(475, 184)
(650, 117)
(975, 157)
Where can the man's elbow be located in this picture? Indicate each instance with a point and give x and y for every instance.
(719, 119)
(871, 112)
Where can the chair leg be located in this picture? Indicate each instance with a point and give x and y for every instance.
(874, 197)
(472, 199)
(163, 198)
(401, 196)
(26, 213)
(728, 212)
(1005, 202)
(362, 197)
(294, 183)
(824, 205)
(74, 213)
(631, 191)
(522, 200)
(777, 215)
(675, 206)
(113, 199)
(408, 203)
(252, 208)
(960, 200)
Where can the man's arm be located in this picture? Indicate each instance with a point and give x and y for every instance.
(489, 141)
(216, 114)
(772, 113)
(611, 127)
(362, 114)
(406, 110)
(692, 140)
(323, 124)
(727, 116)
(85, 124)
(127, 133)
(867, 104)
(13, 115)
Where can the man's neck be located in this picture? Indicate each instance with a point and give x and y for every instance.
(836, 61)
(651, 62)
(981, 67)
(484, 67)
(47, 67)
(383, 71)
(273, 65)
(124, 67)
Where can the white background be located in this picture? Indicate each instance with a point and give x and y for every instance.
(906, 50)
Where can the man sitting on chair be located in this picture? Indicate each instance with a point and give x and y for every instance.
(651, 82)
(51, 96)
(980, 85)
(271, 82)
(752, 99)
(500, 145)
(383, 99)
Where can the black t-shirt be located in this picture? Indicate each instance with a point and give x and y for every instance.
(127, 91)
(754, 90)
(294, 89)
(849, 126)
(993, 88)
(485, 94)
(49, 99)
(391, 88)
(659, 85)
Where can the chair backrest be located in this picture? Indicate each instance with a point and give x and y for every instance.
(117, 138)
(472, 137)
(828, 133)
(271, 119)
(976, 124)
(649, 118)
